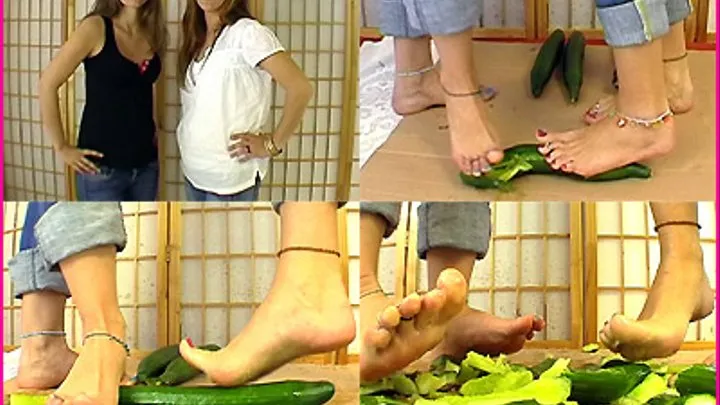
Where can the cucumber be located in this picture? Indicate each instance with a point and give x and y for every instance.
(573, 61)
(704, 399)
(525, 159)
(603, 386)
(180, 371)
(288, 392)
(546, 61)
(543, 366)
(666, 399)
(154, 364)
(696, 380)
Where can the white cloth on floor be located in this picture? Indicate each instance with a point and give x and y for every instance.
(377, 120)
(11, 362)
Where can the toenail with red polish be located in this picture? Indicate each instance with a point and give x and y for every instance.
(541, 133)
(189, 342)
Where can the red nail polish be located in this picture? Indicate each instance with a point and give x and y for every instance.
(541, 133)
(189, 342)
(564, 168)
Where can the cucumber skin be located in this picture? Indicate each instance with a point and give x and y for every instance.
(573, 62)
(530, 153)
(698, 379)
(180, 371)
(154, 364)
(603, 386)
(288, 392)
(546, 61)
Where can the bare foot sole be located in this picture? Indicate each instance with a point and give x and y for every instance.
(296, 319)
(44, 363)
(606, 146)
(660, 330)
(400, 335)
(95, 376)
(412, 95)
(680, 93)
(487, 334)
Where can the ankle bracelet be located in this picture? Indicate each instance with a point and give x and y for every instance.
(373, 292)
(56, 333)
(678, 58)
(414, 73)
(308, 249)
(668, 223)
(663, 118)
(484, 92)
(108, 336)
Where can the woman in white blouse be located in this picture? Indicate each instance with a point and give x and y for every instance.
(226, 66)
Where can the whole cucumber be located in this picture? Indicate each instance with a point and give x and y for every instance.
(154, 364)
(286, 392)
(573, 61)
(179, 371)
(546, 61)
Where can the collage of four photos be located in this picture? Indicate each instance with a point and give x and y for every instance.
(377, 202)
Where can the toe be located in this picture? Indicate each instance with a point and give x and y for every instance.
(479, 166)
(200, 359)
(389, 318)
(495, 156)
(453, 283)
(410, 306)
(464, 164)
(378, 338)
(432, 305)
(55, 400)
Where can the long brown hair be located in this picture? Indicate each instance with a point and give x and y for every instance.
(150, 18)
(195, 29)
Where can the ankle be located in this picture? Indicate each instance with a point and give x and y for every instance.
(113, 324)
(368, 284)
(42, 344)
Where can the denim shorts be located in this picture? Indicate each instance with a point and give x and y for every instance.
(631, 23)
(120, 184)
(54, 232)
(418, 18)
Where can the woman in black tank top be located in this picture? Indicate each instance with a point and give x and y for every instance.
(120, 44)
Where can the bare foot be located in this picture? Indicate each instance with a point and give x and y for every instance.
(486, 334)
(663, 323)
(390, 343)
(96, 375)
(680, 93)
(299, 317)
(473, 139)
(603, 147)
(45, 361)
(414, 94)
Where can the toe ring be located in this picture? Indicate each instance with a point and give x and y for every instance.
(56, 396)
(406, 319)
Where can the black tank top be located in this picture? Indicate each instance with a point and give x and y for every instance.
(118, 116)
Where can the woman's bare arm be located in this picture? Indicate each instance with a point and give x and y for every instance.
(85, 41)
(298, 90)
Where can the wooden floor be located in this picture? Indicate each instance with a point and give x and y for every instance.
(344, 377)
(415, 164)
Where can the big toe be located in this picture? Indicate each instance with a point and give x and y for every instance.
(495, 156)
(200, 359)
(454, 285)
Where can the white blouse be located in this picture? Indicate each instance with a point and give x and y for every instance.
(231, 94)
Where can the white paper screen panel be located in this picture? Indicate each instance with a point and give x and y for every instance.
(628, 255)
(33, 34)
(136, 277)
(711, 25)
(527, 267)
(575, 14)
(314, 35)
(495, 13)
(228, 264)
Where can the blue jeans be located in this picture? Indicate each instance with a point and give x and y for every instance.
(636, 22)
(194, 194)
(120, 184)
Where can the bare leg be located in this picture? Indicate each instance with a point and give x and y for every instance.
(45, 361)
(388, 343)
(307, 310)
(677, 78)
(680, 293)
(607, 145)
(474, 140)
(416, 92)
(475, 330)
(91, 277)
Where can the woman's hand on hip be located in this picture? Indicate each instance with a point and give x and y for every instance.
(248, 146)
(78, 159)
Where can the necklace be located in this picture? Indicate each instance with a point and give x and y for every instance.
(207, 56)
